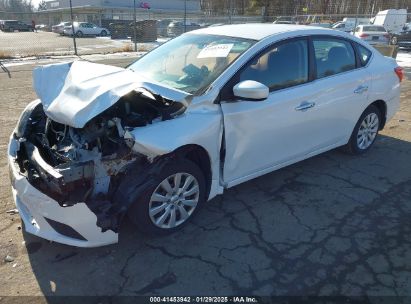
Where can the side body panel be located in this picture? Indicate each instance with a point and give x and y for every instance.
(200, 125)
(386, 85)
(261, 136)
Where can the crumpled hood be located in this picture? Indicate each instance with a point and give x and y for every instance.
(74, 93)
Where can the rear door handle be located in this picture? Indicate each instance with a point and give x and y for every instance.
(361, 89)
(304, 106)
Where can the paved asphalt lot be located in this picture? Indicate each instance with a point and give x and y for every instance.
(331, 225)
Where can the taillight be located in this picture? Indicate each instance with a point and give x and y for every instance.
(364, 35)
(400, 73)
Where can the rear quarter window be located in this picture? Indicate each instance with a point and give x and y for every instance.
(364, 54)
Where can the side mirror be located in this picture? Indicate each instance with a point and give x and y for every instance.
(250, 89)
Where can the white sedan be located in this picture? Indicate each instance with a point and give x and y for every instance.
(85, 29)
(204, 112)
(373, 34)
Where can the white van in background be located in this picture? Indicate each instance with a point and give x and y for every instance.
(393, 20)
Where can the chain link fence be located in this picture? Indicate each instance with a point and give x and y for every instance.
(43, 34)
(51, 33)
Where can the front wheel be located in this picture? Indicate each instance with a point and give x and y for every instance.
(365, 131)
(103, 33)
(79, 34)
(171, 198)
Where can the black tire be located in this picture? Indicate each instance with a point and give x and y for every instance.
(139, 210)
(79, 34)
(103, 33)
(353, 146)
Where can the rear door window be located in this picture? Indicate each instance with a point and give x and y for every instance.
(333, 56)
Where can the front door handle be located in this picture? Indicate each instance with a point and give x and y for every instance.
(304, 106)
(361, 89)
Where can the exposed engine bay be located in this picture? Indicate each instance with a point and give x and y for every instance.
(87, 164)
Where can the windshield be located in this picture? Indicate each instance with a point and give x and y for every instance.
(191, 62)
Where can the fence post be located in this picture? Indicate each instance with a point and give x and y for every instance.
(134, 27)
(230, 8)
(185, 16)
(72, 28)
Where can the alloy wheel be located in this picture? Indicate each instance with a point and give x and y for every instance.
(174, 200)
(368, 131)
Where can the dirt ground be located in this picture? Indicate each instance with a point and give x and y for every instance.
(331, 225)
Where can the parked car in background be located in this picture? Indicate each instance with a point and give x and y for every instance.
(284, 20)
(85, 29)
(341, 26)
(349, 24)
(215, 24)
(323, 25)
(176, 28)
(162, 26)
(200, 114)
(402, 39)
(42, 27)
(59, 28)
(393, 20)
(373, 34)
(15, 25)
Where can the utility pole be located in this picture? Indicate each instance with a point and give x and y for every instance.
(134, 27)
(72, 28)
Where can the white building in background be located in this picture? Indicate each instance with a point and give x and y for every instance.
(105, 11)
(155, 5)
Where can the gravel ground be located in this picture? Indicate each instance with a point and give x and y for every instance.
(331, 225)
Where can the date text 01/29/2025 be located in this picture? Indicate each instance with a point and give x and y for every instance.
(203, 300)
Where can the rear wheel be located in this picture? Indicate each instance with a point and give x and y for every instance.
(103, 33)
(170, 199)
(365, 131)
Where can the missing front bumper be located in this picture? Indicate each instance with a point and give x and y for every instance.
(36, 208)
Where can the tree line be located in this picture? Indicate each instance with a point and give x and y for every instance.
(18, 6)
(263, 7)
(300, 7)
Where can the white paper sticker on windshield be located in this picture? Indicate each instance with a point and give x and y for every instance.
(216, 50)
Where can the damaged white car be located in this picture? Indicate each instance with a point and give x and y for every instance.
(204, 112)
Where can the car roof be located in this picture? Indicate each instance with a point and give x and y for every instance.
(257, 31)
